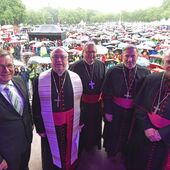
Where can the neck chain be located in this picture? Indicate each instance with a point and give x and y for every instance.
(157, 107)
(91, 83)
(57, 89)
(131, 83)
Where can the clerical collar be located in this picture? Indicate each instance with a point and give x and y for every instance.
(126, 68)
(59, 75)
(88, 63)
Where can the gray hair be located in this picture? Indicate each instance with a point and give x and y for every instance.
(130, 46)
(89, 43)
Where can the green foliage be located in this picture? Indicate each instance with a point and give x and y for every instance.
(65, 16)
(14, 12)
(166, 4)
(11, 12)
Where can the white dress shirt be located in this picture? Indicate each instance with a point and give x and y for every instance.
(15, 91)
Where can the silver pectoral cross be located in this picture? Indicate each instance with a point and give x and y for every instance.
(58, 101)
(91, 84)
(156, 108)
(127, 95)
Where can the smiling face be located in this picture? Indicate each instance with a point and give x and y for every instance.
(89, 53)
(59, 60)
(6, 67)
(130, 56)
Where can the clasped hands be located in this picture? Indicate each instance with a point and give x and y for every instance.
(152, 134)
(3, 165)
(108, 117)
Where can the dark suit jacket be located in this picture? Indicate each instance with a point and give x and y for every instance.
(15, 130)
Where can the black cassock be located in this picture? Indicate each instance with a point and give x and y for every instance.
(117, 132)
(65, 104)
(142, 153)
(91, 112)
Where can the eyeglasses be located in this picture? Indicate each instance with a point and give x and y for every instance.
(8, 66)
(91, 52)
(56, 57)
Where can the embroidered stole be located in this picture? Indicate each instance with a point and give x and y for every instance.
(47, 114)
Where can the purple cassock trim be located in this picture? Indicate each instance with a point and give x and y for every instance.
(158, 121)
(125, 103)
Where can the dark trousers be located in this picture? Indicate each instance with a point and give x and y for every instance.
(47, 161)
(25, 157)
(19, 161)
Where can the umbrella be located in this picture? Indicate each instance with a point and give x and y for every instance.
(156, 56)
(142, 39)
(32, 42)
(150, 43)
(115, 42)
(35, 60)
(101, 49)
(106, 44)
(144, 47)
(122, 45)
(45, 60)
(1, 41)
(23, 41)
(110, 46)
(126, 39)
(155, 65)
(118, 50)
(14, 41)
(29, 53)
(38, 44)
(52, 48)
(74, 51)
(143, 62)
(18, 63)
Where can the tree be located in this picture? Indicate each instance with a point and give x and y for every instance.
(12, 12)
(166, 4)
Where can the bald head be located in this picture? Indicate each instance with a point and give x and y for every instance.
(59, 60)
(57, 50)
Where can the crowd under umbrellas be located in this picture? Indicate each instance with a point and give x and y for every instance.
(111, 39)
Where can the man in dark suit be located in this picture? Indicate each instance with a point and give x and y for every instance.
(15, 118)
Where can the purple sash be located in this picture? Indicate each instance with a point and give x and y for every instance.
(158, 121)
(125, 103)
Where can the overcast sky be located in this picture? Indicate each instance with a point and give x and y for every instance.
(100, 5)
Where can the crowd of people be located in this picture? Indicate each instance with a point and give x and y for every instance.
(69, 103)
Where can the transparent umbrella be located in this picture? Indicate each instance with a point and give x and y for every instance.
(35, 60)
(101, 49)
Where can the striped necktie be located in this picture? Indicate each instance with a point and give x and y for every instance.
(14, 99)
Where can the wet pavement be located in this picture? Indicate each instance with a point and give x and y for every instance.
(93, 160)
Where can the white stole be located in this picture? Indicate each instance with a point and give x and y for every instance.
(47, 114)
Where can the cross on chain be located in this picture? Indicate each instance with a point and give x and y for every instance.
(91, 84)
(127, 95)
(156, 108)
(58, 101)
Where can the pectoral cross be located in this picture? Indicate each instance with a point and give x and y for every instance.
(91, 84)
(58, 101)
(156, 108)
(127, 95)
